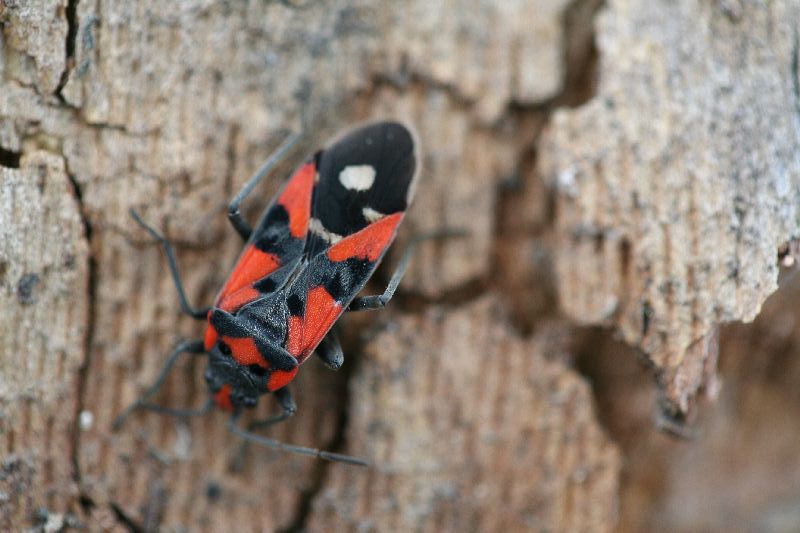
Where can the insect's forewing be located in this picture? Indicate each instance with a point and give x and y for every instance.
(366, 181)
(276, 245)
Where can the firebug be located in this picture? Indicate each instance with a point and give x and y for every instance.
(302, 267)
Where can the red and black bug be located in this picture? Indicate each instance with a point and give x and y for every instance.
(302, 266)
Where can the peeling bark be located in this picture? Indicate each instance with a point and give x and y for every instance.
(678, 182)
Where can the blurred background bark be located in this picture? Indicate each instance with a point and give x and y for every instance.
(629, 176)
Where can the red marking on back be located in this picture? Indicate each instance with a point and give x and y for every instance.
(369, 243)
(210, 338)
(223, 398)
(306, 332)
(280, 378)
(252, 265)
(233, 301)
(245, 351)
(296, 198)
(294, 342)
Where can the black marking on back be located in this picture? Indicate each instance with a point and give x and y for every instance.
(272, 235)
(345, 279)
(385, 146)
(274, 217)
(388, 148)
(315, 243)
(296, 304)
(266, 285)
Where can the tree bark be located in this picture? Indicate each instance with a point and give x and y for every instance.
(678, 183)
(652, 203)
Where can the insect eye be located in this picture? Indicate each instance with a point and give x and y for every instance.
(258, 370)
(224, 348)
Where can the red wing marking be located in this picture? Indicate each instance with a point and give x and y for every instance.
(296, 198)
(255, 264)
(280, 378)
(211, 336)
(369, 243)
(294, 344)
(223, 398)
(305, 333)
(245, 351)
(252, 266)
(233, 301)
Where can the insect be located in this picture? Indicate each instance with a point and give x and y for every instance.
(312, 252)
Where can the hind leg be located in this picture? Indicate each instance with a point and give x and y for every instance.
(234, 215)
(379, 301)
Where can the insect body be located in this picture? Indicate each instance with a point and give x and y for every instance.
(313, 250)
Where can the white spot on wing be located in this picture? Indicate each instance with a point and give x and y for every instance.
(357, 177)
(315, 226)
(370, 215)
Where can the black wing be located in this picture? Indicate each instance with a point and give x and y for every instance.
(366, 181)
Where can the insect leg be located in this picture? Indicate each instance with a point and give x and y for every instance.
(379, 301)
(288, 408)
(237, 220)
(181, 413)
(173, 268)
(330, 350)
(291, 448)
(192, 347)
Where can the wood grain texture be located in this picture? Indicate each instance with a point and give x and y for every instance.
(471, 428)
(678, 182)
(44, 297)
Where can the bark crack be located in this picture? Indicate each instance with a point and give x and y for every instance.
(85, 500)
(69, 46)
(9, 158)
(126, 521)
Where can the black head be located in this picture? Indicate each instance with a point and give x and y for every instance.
(245, 354)
(234, 386)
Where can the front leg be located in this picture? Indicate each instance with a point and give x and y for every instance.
(290, 448)
(288, 408)
(190, 347)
